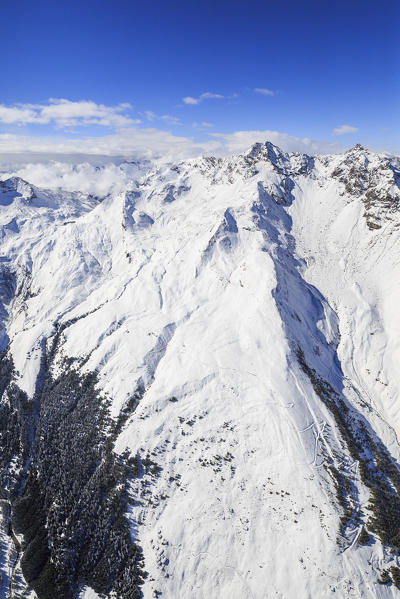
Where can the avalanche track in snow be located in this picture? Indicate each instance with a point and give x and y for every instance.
(199, 382)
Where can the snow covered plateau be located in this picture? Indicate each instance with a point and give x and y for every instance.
(200, 381)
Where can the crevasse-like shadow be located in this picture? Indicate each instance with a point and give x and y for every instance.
(303, 311)
(301, 305)
(8, 287)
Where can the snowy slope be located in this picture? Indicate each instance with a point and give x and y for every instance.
(243, 312)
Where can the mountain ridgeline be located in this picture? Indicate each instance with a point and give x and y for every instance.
(199, 384)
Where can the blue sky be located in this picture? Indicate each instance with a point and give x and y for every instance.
(200, 73)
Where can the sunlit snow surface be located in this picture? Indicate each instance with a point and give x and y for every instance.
(197, 283)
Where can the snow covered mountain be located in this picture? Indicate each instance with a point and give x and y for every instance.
(200, 382)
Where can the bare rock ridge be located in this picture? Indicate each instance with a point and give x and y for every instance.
(199, 383)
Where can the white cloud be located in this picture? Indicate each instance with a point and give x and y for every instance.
(190, 100)
(205, 96)
(167, 118)
(264, 91)
(343, 129)
(130, 142)
(150, 116)
(65, 113)
(239, 141)
(73, 164)
(96, 179)
(139, 143)
(172, 120)
(17, 114)
(202, 125)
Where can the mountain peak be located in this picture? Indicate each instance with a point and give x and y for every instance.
(14, 182)
(266, 151)
(357, 148)
(18, 186)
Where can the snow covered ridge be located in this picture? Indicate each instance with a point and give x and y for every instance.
(237, 318)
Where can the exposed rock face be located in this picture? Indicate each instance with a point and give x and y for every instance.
(373, 179)
(199, 382)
